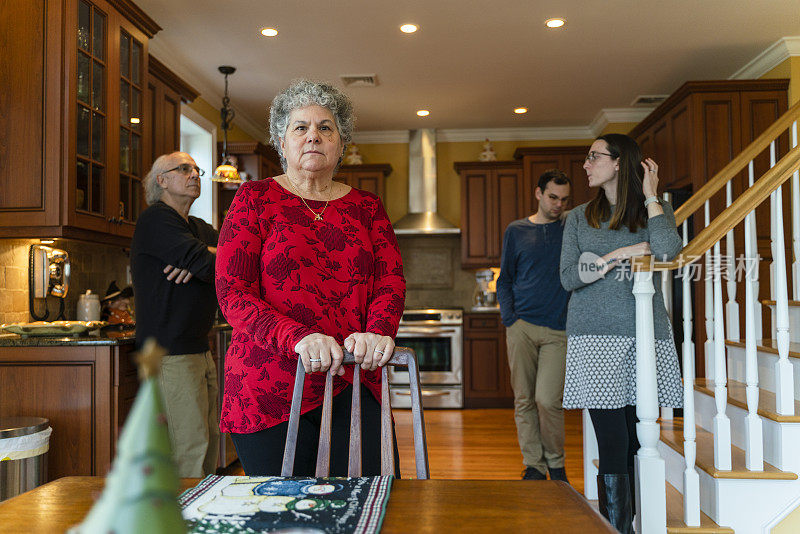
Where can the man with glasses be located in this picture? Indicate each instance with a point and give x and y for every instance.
(533, 307)
(172, 264)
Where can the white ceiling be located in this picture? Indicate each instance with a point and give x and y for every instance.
(472, 61)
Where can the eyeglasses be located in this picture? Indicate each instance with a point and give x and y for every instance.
(592, 156)
(186, 169)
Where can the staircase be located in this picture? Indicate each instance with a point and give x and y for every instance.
(731, 464)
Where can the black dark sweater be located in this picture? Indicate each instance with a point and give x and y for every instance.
(179, 316)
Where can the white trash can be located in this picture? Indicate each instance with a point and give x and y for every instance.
(24, 442)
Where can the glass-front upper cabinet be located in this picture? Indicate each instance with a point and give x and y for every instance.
(131, 91)
(91, 120)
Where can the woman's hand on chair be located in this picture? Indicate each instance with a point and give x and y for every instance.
(320, 353)
(370, 350)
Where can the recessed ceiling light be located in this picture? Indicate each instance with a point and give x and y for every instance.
(520, 111)
(135, 120)
(423, 112)
(269, 32)
(409, 28)
(555, 23)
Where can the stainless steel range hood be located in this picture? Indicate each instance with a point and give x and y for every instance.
(422, 218)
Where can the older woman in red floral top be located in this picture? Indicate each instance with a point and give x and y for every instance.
(305, 265)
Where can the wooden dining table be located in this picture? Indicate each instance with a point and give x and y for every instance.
(436, 506)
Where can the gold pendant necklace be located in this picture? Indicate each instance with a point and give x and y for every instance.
(317, 216)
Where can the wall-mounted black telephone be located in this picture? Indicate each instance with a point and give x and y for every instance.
(48, 274)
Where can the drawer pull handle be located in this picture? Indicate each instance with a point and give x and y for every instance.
(425, 393)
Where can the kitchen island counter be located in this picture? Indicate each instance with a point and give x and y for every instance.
(101, 338)
(95, 338)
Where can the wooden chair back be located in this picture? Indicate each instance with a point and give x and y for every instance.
(402, 357)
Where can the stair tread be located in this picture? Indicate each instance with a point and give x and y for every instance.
(672, 435)
(737, 396)
(675, 524)
(768, 302)
(769, 345)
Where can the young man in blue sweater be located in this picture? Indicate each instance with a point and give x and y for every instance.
(533, 306)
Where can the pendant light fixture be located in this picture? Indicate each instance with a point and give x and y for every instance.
(226, 172)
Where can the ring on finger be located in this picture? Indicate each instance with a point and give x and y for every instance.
(315, 360)
(379, 351)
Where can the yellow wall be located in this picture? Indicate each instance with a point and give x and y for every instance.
(448, 153)
(396, 155)
(788, 69)
(789, 525)
(212, 113)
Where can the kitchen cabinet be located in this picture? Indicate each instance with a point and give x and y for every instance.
(86, 391)
(487, 382)
(165, 93)
(491, 198)
(74, 123)
(256, 159)
(367, 177)
(536, 160)
(694, 134)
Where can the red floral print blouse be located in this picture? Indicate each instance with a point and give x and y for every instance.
(281, 276)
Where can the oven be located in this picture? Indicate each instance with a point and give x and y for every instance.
(436, 337)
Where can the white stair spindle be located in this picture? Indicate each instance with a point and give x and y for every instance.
(731, 307)
(757, 309)
(691, 479)
(651, 505)
(784, 379)
(590, 453)
(667, 413)
(772, 229)
(795, 223)
(754, 441)
(708, 347)
(722, 425)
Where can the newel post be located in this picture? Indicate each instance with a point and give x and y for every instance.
(651, 496)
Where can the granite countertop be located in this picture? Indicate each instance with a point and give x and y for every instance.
(93, 338)
(97, 337)
(485, 309)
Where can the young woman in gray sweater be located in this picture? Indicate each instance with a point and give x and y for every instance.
(624, 220)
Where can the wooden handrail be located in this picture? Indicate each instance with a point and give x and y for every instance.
(736, 165)
(730, 217)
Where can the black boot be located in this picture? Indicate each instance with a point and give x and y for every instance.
(614, 501)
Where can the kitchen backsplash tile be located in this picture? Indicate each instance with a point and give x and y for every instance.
(93, 266)
(434, 278)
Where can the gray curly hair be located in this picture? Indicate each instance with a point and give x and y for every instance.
(303, 93)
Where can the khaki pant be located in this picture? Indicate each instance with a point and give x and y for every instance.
(537, 359)
(189, 386)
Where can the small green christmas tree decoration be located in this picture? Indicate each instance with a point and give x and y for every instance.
(141, 489)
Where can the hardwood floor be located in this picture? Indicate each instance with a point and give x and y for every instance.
(474, 444)
(480, 444)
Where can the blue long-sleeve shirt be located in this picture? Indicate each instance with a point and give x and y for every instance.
(529, 287)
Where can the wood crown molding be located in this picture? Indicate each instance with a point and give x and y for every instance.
(481, 165)
(250, 147)
(385, 168)
(163, 74)
(139, 18)
(521, 152)
(711, 86)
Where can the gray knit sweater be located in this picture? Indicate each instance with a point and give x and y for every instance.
(607, 306)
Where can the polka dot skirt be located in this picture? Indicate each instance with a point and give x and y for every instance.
(601, 372)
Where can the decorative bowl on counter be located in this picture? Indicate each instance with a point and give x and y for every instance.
(55, 328)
